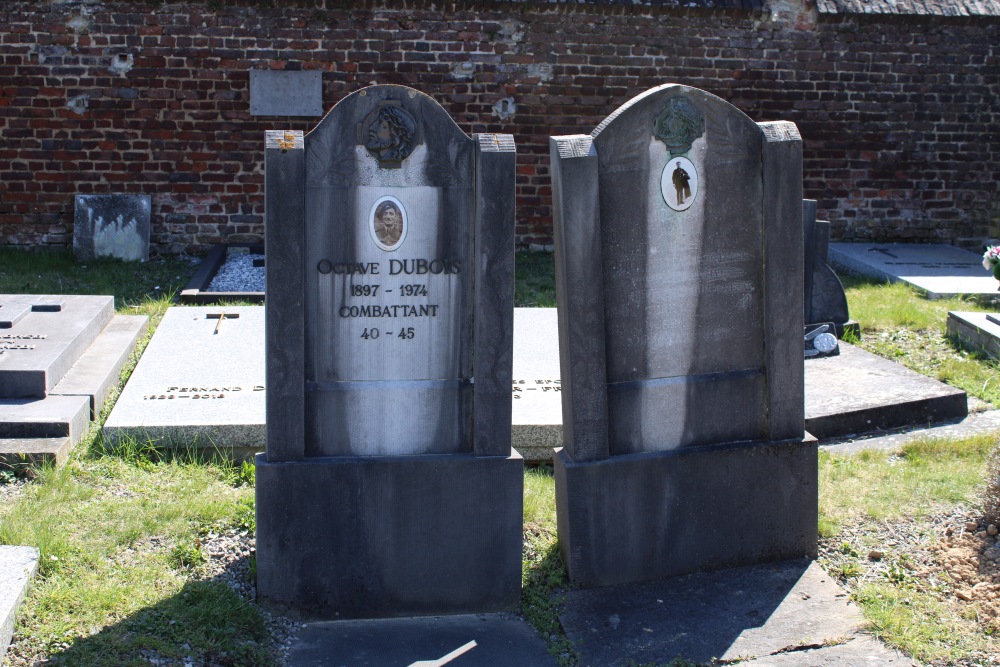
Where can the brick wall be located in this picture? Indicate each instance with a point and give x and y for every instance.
(899, 114)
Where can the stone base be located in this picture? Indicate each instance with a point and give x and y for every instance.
(354, 537)
(643, 517)
(976, 331)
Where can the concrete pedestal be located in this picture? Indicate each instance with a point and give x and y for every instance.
(357, 537)
(642, 517)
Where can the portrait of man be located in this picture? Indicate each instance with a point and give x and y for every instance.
(391, 134)
(679, 183)
(682, 183)
(387, 223)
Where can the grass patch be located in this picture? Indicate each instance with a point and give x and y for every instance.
(58, 272)
(901, 325)
(543, 576)
(120, 555)
(917, 623)
(535, 280)
(882, 305)
(920, 478)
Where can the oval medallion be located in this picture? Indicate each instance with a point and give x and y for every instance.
(679, 183)
(387, 223)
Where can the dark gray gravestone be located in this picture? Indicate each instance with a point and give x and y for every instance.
(389, 487)
(111, 226)
(825, 300)
(678, 230)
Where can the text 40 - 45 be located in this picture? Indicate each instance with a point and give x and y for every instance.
(406, 333)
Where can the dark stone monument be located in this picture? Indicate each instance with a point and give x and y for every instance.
(678, 242)
(111, 226)
(825, 300)
(389, 487)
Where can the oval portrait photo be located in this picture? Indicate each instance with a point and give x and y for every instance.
(679, 183)
(388, 223)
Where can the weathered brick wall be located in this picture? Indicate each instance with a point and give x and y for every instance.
(899, 115)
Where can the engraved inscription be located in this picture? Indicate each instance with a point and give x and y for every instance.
(19, 342)
(520, 388)
(392, 299)
(199, 392)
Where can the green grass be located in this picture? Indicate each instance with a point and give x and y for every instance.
(919, 479)
(880, 305)
(899, 324)
(119, 541)
(535, 280)
(543, 575)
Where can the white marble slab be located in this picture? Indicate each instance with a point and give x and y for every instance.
(940, 271)
(200, 382)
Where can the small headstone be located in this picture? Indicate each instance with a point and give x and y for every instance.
(678, 232)
(939, 271)
(111, 226)
(389, 487)
(825, 300)
(200, 382)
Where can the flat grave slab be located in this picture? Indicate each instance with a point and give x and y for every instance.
(51, 417)
(500, 641)
(859, 392)
(199, 383)
(60, 358)
(937, 270)
(17, 568)
(854, 392)
(979, 332)
(95, 374)
(43, 337)
(537, 392)
(762, 612)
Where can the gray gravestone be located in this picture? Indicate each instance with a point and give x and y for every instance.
(389, 487)
(824, 298)
(111, 226)
(678, 230)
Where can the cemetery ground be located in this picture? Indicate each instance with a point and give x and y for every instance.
(147, 556)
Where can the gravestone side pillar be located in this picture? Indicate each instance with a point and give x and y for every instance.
(389, 487)
(678, 235)
(825, 300)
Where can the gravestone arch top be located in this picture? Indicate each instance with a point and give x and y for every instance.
(690, 255)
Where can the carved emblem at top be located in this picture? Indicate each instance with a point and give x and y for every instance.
(679, 125)
(390, 134)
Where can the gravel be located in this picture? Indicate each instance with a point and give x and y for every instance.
(238, 274)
